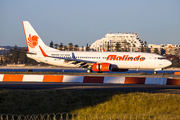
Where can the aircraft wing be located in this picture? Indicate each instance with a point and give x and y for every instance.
(78, 62)
(31, 53)
(26, 52)
(73, 60)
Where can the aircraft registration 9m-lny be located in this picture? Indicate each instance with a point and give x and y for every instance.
(93, 61)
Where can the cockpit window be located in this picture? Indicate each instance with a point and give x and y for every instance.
(161, 58)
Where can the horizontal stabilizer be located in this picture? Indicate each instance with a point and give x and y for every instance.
(31, 53)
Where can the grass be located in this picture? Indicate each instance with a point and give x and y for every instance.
(28, 102)
(137, 103)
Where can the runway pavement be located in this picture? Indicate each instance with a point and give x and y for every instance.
(90, 86)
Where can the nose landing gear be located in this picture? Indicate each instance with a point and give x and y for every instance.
(89, 71)
(155, 70)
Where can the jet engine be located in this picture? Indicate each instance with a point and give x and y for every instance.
(101, 67)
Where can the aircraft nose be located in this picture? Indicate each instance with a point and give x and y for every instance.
(168, 63)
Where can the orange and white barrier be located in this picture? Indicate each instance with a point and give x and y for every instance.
(176, 73)
(87, 79)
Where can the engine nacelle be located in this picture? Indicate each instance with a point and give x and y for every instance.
(100, 67)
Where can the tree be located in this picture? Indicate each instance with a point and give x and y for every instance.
(65, 48)
(128, 45)
(145, 47)
(51, 44)
(178, 52)
(70, 46)
(117, 47)
(125, 45)
(145, 44)
(156, 51)
(134, 45)
(142, 48)
(76, 47)
(82, 48)
(87, 47)
(15, 54)
(56, 46)
(108, 47)
(22, 55)
(111, 47)
(1, 62)
(10, 56)
(175, 62)
(31, 61)
(7, 57)
(61, 46)
(163, 51)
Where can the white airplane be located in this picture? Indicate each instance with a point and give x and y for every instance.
(93, 61)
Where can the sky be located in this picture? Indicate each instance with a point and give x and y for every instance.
(85, 21)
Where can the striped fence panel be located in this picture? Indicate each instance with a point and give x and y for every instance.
(87, 79)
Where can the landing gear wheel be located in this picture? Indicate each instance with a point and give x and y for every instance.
(155, 72)
(89, 71)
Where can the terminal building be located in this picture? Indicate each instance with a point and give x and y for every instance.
(132, 41)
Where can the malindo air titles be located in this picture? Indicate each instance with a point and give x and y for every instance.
(125, 58)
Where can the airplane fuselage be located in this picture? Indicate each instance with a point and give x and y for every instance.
(123, 60)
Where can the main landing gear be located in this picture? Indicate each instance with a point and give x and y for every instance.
(89, 71)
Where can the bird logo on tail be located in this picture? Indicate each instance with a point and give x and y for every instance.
(33, 41)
